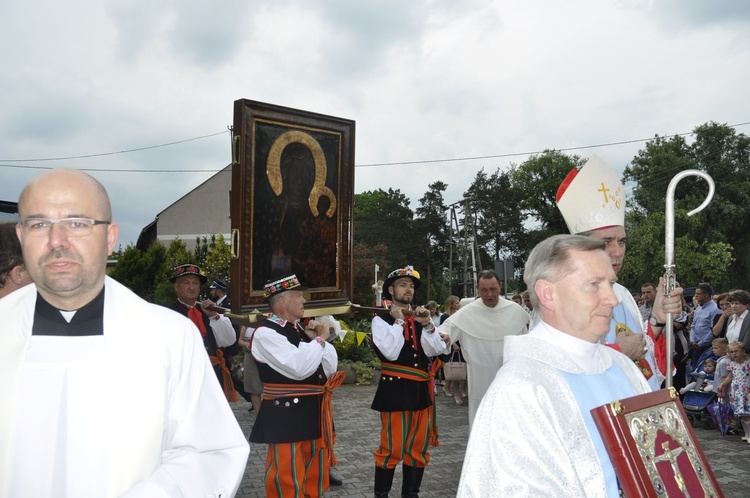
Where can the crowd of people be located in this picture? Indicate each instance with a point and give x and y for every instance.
(535, 364)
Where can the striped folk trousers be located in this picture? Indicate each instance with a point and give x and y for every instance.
(296, 469)
(403, 436)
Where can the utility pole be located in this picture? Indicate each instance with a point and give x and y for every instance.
(466, 233)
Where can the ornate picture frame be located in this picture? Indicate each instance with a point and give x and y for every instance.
(291, 203)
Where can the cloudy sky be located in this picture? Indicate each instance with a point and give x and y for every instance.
(424, 80)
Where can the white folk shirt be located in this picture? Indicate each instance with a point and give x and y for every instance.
(295, 362)
(389, 339)
(135, 412)
(221, 326)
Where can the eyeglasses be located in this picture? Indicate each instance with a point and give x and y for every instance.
(73, 227)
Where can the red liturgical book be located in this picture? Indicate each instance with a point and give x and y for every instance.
(653, 447)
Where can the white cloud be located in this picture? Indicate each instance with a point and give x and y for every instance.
(429, 79)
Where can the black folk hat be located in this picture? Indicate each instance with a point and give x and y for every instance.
(187, 269)
(407, 271)
(287, 283)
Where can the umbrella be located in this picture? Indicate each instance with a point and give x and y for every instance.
(721, 412)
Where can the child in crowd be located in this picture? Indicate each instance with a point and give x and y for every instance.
(705, 382)
(720, 347)
(739, 380)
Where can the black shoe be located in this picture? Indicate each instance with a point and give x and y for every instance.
(251, 408)
(334, 480)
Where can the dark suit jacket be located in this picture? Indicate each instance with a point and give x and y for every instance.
(745, 332)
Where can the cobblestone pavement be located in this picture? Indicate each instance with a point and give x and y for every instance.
(358, 427)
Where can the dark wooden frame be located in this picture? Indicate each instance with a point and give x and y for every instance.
(261, 134)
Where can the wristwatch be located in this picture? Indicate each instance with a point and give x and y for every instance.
(654, 323)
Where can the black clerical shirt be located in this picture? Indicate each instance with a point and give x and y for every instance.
(88, 320)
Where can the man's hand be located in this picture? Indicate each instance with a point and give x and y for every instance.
(422, 315)
(446, 339)
(205, 305)
(666, 304)
(317, 328)
(396, 312)
(633, 346)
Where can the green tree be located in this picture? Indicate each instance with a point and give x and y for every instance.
(653, 168)
(175, 255)
(218, 258)
(203, 245)
(725, 155)
(707, 261)
(364, 261)
(384, 217)
(431, 227)
(534, 183)
(500, 229)
(137, 270)
(132, 272)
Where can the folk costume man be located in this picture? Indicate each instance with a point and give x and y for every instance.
(298, 370)
(103, 394)
(534, 434)
(405, 395)
(216, 329)
(592, 202)
(481, 328)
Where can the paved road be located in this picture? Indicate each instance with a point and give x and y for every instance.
(357, 429)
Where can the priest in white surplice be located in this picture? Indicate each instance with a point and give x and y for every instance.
(481, 328)
(534, 434)
(103, 394)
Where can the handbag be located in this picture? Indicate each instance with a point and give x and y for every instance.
(454, 370)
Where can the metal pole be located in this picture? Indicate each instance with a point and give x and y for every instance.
(670, 280)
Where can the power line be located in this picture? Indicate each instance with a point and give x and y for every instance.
(514, 154)
(86, 156)
(108, 170)
(399, 163)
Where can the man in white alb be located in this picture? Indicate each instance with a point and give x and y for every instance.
(103, 394)
(533, 434)
(481, 327)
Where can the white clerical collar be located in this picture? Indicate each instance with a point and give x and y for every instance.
(582, 353)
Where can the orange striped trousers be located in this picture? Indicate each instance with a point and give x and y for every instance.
(403, 436)
(297, 469)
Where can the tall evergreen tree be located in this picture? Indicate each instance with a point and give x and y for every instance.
(384, 217)
(431, 227)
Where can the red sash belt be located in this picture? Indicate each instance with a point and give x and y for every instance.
(415, 374)
(274, 391)
(229, 391)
